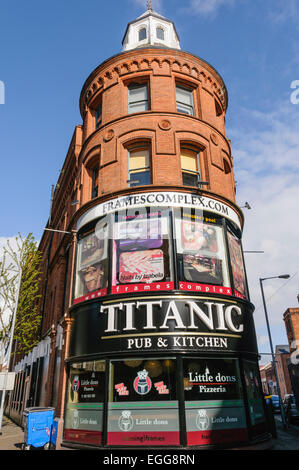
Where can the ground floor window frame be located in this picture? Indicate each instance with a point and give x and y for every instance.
(183, 441)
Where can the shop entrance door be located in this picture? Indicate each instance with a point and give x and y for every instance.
(143, 407)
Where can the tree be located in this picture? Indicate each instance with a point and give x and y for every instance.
(25, 258)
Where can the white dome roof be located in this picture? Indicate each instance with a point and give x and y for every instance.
(150, 29)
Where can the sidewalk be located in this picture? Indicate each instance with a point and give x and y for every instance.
(12, 437)
(287, 439)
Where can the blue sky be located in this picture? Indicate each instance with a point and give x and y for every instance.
(47, 50)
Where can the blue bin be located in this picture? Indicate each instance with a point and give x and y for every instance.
(38, 424)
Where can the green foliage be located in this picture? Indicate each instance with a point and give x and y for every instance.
(25, 258)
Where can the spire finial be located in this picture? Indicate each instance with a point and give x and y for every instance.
(149, 5)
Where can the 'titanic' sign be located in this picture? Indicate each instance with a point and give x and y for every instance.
(162, 323)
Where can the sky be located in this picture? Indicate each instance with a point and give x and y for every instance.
(48, 49)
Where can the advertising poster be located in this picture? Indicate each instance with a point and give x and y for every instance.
(141, 253)
(237, 265)
(91, 267)
(201, 254)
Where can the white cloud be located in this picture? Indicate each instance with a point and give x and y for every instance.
(265, 147)
(263, 339)
(284, 11)
(208, 7)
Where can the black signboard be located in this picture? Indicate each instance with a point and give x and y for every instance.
(162, 323)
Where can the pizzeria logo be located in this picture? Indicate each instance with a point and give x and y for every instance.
(76, 384)
(125, 422)
(202, 420)
(142, 384)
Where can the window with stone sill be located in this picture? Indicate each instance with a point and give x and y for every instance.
(190, 166)
(139, 165)
(184, 100)
(138, 97)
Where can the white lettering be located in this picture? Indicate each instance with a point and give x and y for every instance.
(228, 318)
(295, 94)
(175, 316)
(2, 92)
(220, 317)
(149, 312)
(129, 316)
(207, 319)
(111, 316)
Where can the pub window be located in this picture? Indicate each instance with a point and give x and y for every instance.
(160, 33)
(184, 100)
(190, 167)
(139, 173)
(137, 98)
(215, 412)
(254, 396)
(142, 34)
(84, 403)
(143, 405)
(94, 181)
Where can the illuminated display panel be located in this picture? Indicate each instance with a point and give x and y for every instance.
(92, 264)
(238, 271)
(131, 251)
(215, 411)
(84, 406)
(143, 406)
(255, 400)
(201, 253)
(141, 252)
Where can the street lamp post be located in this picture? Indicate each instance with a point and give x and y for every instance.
(282, 276)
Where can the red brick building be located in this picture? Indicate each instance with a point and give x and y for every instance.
(147, 337)
(282, 354)
(291, 320)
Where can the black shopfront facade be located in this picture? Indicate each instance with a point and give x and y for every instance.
(163, 348)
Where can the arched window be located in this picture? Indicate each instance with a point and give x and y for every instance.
(226, 167)
(94, 181)
(218, 109)
(160, 33)
(142, 34)
(139, 165)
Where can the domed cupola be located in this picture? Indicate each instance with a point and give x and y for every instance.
(150, 29)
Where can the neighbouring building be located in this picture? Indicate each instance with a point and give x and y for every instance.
(268, 378)
(147, 336)
(291, 320)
